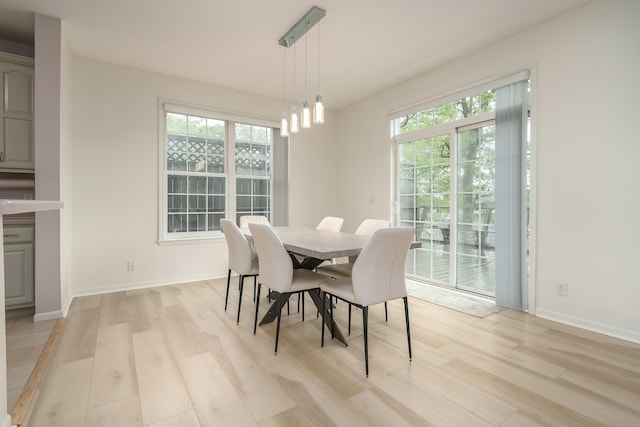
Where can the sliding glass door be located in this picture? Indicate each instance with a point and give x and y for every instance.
(457, 233)
(462, 183)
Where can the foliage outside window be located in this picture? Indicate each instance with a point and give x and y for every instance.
(470, 106)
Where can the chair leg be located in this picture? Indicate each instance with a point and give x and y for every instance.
(255, 321)
(226, 298)
(280, 298)
(386, 315)
(255, 280)
(241, 281)
(331, 315)
(365, 327)
(324, 307)
(349, 329)
(406, 316)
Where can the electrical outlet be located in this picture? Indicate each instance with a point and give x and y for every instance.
(561, 289)
(131, 265)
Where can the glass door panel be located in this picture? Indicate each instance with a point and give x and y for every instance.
(475, 213)
(424, 203)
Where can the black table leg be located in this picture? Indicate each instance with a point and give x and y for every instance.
(272, 313)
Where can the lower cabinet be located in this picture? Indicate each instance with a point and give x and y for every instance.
(19, 266)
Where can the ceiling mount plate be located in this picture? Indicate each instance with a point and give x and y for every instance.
(305, 23)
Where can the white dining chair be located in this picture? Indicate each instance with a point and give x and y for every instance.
(277, 273)
(330, 223)
(341, 270)
(242, 259)
(245, 220)
(366, 228)
(377, 277)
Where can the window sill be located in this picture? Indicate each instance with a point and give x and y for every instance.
(191, 240)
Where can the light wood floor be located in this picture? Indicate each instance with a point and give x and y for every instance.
(171, 356)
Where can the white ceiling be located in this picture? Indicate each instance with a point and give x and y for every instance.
(365, 45)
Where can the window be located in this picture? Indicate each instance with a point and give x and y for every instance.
(253, 170)
(213, 166)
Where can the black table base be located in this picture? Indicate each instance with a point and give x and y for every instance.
(272, 313)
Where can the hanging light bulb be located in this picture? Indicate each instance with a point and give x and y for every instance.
(294, 125)
(306, 115)
(318, 109)
(284, 124)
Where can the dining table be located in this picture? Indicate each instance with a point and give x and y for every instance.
(315, 246)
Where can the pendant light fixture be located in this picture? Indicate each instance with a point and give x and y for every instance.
(318, 109)
(295, 126)
(312, 17)
(306, 113)
(294, 123)
(284, 122)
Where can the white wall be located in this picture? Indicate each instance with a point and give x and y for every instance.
(587, 66)
(314, 185)
(114, 177)
(66, 83)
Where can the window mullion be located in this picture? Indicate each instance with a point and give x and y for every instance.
(230, 150)
(453, 201)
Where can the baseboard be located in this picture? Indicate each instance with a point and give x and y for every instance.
(6, 421)
(143, 285)
(39, 317)
(624, 334)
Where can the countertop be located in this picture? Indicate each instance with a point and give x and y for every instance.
(9, 206)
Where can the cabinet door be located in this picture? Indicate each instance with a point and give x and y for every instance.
(18, 275)
(16, 117)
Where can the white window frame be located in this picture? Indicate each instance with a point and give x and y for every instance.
(230, 118)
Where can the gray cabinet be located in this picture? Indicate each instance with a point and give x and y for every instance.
(16, 115)
(19, 266)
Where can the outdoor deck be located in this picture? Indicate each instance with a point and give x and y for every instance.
(475, 272)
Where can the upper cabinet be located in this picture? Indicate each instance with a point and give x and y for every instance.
(16, 117)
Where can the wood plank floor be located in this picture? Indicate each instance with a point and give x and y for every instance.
(171, 356)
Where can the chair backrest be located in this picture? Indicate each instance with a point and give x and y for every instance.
(330, 223)
(240, 254)
(370, 226)
(245, 220)
(378, 273)
(276, 268)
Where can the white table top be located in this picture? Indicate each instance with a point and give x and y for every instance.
(11, 206)
(318, 244)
